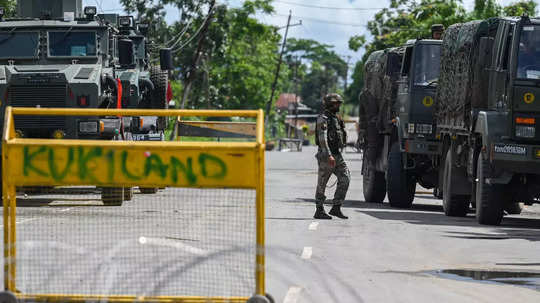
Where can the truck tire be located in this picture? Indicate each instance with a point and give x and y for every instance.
(489, 197)
(148, 190)
(453, 205)
(374, 185)
(400, 186)
(160, 79)
(112, 196)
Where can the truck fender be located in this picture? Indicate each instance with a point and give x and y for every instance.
(490, 126)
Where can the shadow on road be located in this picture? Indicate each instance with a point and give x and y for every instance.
(46, 202)
(511, 227)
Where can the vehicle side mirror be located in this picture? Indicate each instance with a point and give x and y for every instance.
(126, 52)
(485, 47)
(165, 59)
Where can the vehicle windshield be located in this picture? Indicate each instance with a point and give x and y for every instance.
(426, 64)
(15, 45)
(72, 44)
(529, 53)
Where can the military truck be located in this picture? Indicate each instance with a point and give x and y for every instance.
(487, 116)
(55, 54)
(144, 85)
(402, 147)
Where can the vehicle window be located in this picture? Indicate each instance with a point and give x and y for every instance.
(529, 53)
(72, 44)
(426, 64)
(507, 48)
(406, 62)
(19, 45)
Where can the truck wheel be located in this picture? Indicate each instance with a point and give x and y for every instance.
(453, 205)
(489, 198)
(398, 182)
(112, 196)
(160, 79)
(148, 190)
(374, 185)
(128, 193)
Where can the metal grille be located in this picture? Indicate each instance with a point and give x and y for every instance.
(32, 96)
(198, 242)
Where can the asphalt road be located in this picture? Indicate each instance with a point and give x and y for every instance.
(198, 242)
(390, 255)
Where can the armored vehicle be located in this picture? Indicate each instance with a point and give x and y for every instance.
(487, 115)
(55, 54)
(402, 147)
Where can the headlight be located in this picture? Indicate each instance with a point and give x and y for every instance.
(525, 131)
(411, 128)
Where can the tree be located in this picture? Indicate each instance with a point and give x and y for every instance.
(521, 7)
(229, 64)
(484, 9)
(10, 7)
(326, 69)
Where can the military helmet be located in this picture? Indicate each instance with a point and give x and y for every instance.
(332, 98)
(437, 28)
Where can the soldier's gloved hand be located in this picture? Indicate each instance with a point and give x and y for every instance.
(331, 161)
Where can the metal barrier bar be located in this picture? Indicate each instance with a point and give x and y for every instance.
(31, 111)
(128, 299)
(217, 129)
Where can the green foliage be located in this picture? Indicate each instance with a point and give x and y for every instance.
(484, 9)
(236, 65)
(10, 7)
(521, 7)
(356, 42)
(322, 70)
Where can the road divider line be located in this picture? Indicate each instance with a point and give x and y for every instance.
(292, 294)
(307, 252)
(174, 244)
(313, 225)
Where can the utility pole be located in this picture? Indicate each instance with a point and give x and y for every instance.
(276, 77)
(296, 81)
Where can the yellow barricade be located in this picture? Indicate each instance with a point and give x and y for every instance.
(208, 187)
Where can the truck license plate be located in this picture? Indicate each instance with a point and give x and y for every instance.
(510, 149)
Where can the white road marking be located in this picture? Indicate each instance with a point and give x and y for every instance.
(173, 244)
(307, 252)
(20, 221)
(66, 209)
(313, 225)
(292, 294)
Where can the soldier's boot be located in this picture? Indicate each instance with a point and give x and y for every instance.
(336, 211)
(321, 214)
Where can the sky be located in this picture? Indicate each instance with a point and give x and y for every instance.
(330, 26)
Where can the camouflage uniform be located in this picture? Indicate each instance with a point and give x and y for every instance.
(331, 138)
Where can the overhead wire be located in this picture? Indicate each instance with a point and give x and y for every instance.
(195, 34)
(324, 21)
(330, 7)
(183, 32)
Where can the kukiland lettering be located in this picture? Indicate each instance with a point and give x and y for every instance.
(510, 149)
(92, 164)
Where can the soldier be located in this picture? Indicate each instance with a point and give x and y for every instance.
(436, 31)
(331, 139)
